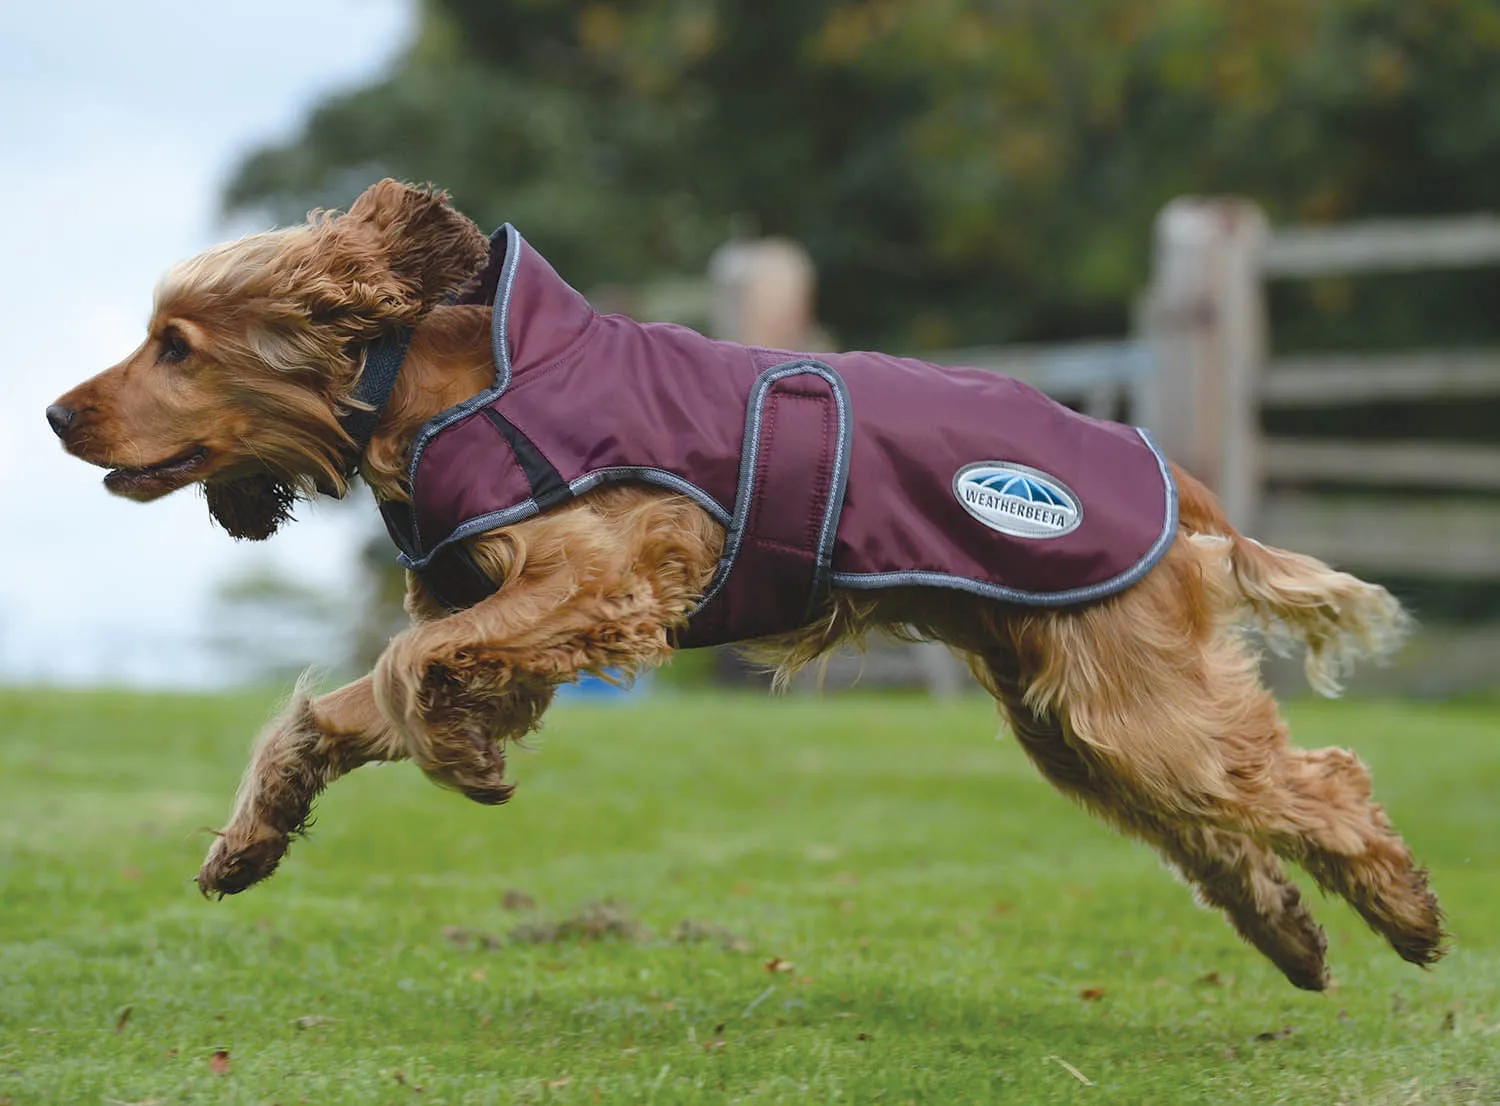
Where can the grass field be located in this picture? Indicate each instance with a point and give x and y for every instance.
(862, 899)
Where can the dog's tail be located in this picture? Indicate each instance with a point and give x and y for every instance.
(1297, 599)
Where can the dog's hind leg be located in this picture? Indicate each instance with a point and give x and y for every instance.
(1238, 875)
(1230, 872)
(1164, 693)
(310, 745)
(1315, 808)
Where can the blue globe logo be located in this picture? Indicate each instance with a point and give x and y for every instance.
(1024, 487)
(1017, 500)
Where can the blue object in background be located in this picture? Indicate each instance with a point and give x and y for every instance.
(591, 689)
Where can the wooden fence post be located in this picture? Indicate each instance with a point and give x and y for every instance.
(763, 293)
(1205, 321)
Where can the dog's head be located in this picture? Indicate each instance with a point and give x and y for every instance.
(253, 350)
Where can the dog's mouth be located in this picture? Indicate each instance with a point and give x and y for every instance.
(151, 481)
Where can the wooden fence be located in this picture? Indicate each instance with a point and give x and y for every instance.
(1206, 322)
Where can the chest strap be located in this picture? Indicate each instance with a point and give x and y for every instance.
(452, 576)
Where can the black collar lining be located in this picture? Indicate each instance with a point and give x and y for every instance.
(383, 361)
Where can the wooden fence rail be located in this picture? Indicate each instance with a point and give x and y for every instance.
(1384, 246)
(1206, 315)
(1325, 380)
(1105, 379)
(1414, 464)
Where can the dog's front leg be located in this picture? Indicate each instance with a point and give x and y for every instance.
(310, 745)
(459, 687)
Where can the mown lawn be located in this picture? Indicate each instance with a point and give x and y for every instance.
(859, 899)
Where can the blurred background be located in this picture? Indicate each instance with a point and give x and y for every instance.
(1259, 229)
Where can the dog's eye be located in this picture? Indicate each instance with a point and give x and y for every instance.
(174, 347)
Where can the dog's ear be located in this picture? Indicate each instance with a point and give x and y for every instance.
(430, 248)
(250, 507)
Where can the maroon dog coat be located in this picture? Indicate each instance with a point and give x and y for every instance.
(854, 470)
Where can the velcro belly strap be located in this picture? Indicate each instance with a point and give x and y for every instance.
(779, 548)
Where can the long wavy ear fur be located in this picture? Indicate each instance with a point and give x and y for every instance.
(319, 293)
(430, 248)
(251, 508)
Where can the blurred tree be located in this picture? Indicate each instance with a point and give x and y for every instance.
(961, 170)
(267, 628)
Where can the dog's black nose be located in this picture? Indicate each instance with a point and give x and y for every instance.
(60, 418)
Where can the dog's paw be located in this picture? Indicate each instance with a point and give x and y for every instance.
(1293, 940)
(231, 868)
(487, 794)
(481, 776)
(475, 768)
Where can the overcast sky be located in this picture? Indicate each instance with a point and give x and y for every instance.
(118, 124)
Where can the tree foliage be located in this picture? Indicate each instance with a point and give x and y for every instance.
(961, 170)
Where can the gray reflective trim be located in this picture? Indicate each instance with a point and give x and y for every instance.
(749, 455)
(499, 330)
(478, 525)
(651, 476)
(871, 580)
(835, 505)
(528, 507)
(500, 317)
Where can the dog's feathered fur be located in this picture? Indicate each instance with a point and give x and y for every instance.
(1146, 707)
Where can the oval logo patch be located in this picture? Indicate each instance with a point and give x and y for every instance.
(1017, 500)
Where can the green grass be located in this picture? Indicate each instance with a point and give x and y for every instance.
(953, 924)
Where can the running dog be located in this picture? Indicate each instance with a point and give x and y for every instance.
(575, 493)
